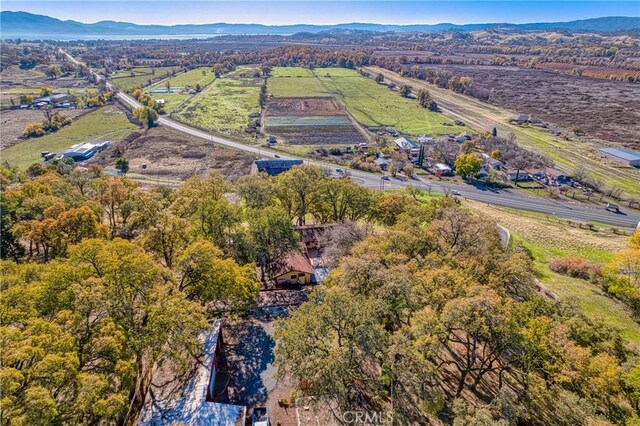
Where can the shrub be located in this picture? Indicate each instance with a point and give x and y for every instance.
(574, 267)
(33, 130)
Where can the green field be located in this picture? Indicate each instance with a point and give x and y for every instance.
(226, 105)
(106, 123)
(320, 120)
(124, 80)
(185, 81)
(374, 105)
(288, 82)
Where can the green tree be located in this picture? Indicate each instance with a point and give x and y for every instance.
(297, 190)
(379, 78)
(405, 90)
(467, 165)
(147, 115)
(122, 164)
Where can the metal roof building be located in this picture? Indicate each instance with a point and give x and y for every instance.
(622, 155)
(275, 167)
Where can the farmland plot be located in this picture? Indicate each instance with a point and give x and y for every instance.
(227, 106)
(310, 121)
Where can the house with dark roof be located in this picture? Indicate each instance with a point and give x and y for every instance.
(195, 403)
(275, 167)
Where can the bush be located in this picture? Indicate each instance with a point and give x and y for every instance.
(574, 267)
(33, 130)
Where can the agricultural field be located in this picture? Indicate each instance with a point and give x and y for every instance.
(128, 80)
(482, 117)
(227, 106)
(294, 81)
(180, 85)
(162, 155)
(310, 121)
(106, 123)
(533, 231)
(373, 104)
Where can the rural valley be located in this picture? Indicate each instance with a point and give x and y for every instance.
(239, 224)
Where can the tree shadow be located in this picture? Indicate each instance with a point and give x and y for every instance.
(249, 357)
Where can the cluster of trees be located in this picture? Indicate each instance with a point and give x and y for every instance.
(425, 101)
(511, 154)
(53, 121)
(433, 318)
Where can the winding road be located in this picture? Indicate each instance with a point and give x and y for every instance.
(506, 197)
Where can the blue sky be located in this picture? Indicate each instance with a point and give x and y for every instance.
(325, 12)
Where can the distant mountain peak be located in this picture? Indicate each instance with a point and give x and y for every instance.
(28, 25)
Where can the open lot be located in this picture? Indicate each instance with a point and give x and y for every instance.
(310, 121)
(140, 76)
(106, 123)
(375, 105)
(13, 122)
(163, 155)
(180, 85)
(227, 106)
(483, 117)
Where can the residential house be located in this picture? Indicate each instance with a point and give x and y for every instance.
(196, 402)
(382, 162)
(52, 99)
(425, 139)
(521, 119)
(441, 169)
(521, 175)
(410, 147)
(492, 162)
(275, 167)
(622, 155)
(296, 268)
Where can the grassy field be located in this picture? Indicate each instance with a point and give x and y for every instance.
(374, 105)
(294, 82)
(291, 72)
(225, 106)
(106, 123)
(482, 116)
(534, 231)
(185, 80)
(139, 76)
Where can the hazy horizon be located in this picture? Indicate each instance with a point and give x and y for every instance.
(325, 12)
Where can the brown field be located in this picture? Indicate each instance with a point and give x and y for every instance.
(590, 71)
(15, 78)
(316, 106)
(13, 122)
(171, 156)
(604, 109)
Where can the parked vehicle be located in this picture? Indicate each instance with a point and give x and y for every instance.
(455, 192)
(613, 207)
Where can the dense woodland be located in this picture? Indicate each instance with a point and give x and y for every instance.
(426, 315)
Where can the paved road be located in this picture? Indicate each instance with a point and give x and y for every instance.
(505, 198)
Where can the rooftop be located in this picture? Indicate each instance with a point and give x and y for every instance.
(625, 153)
(295, 261)
(192, 407)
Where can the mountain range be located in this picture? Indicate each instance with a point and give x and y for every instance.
(32, 26)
